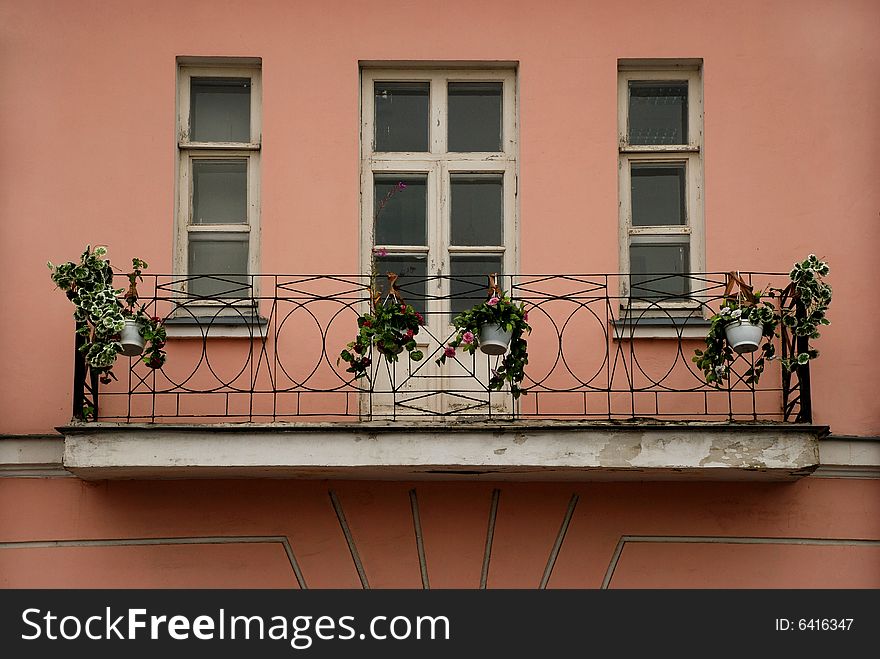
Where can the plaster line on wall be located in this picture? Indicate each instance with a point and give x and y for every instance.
(183, 540)
(349, 538)
(560, 538)
(727, 540)
(420, 543)
(490, 535)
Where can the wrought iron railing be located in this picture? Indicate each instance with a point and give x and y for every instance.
(264, 348)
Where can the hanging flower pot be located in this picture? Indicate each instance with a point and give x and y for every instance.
(494, 339)
(131, 339)
(743, 335)
(482, 326)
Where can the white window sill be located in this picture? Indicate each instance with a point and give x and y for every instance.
(660, 328)
(217, 327)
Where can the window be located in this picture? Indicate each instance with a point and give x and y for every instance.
(218, 132)
(660, 141)
(450, 137)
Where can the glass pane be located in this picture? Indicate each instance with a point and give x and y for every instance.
(470, 279)
(475, 116)
(219, 191)
(220, 110)
(400, 211)
(657, 269)
(225, 258)
(402, 116)
(658, 112)
(411, 271)
(477, 210)
(658, 195)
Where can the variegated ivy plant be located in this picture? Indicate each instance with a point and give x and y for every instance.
(100, 310)
(810, 297)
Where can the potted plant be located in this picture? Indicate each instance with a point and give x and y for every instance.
(390, 325)
(747, 317)
(737, 329)
(110, 323)
(497, 326)
(389, 328)
(141, 329)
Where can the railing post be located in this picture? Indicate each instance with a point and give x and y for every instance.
(81, 370)
(802, 343)
(79, 378)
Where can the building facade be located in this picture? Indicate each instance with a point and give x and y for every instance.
(609, 167)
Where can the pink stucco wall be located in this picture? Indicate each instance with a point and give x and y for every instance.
(816, 533)
(88, 146)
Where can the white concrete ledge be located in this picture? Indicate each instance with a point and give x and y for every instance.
(31, 457)
(849, 457)
(478, 451)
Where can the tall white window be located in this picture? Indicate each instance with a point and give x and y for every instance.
(451, 137)
(218, 204)
(660, 118)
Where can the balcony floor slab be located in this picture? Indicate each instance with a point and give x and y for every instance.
(491, 451)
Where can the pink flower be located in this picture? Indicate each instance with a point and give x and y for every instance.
(409, 333)
(526, 316)
(380, 251)
(403, 308)
(401, 185)
(493, 300)
(420, 318)
(449, 352)
(468, 337)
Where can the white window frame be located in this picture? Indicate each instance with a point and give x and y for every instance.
(689, 154)
(438, 165)
(189, 151)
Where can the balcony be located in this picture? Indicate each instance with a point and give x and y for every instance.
(252, 387)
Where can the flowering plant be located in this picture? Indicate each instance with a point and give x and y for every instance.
(390, 325)
(512, 317)
(101, 310)
(811, 298)
(150, 327)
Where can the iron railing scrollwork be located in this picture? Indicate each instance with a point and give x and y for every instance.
(267, 351)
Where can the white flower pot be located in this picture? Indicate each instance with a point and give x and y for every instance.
(743, 335)
(494, 340)
(131, 339)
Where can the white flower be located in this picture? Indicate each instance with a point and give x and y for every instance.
(724, 311)
(737, 313)
(719, 371)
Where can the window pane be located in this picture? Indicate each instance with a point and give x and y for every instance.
(225, 257)
(658, 194)
(219, 191)
(475, 116)
(657, 269)
(402, 116)
(400, 213)
(220, 110)
(477, 210)
(411, 272)
(658, 112)
(470, 279)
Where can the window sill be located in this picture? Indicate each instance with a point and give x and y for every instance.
(660, 328)
(216, 327)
